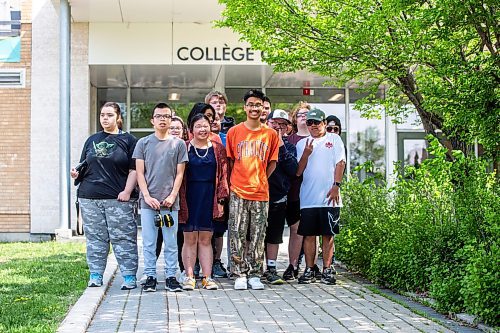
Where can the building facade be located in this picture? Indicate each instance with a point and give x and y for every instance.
(137, 53)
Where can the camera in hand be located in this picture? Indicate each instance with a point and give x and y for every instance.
(81, 168)
(163, 220)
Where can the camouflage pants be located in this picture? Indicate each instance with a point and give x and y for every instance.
(105, 221)
(247, 215)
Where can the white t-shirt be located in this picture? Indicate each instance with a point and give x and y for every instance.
(318, 177)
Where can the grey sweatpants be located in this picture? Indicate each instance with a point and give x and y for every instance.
(106, 220)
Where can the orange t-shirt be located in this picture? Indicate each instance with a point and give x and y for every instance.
(251, 152)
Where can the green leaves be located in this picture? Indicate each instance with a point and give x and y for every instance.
(440, 56)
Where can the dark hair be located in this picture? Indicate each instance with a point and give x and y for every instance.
(160, 105)
(254, 93)
(197, 109)
(116, 108)
(195, 118)
(266, 99)
(336, 120)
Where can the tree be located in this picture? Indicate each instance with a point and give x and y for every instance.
(439, 55)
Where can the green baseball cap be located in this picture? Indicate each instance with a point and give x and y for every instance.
(316, 114)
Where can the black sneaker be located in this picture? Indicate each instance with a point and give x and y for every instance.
(150, 284)
(328, 276)
(272, 277)
(171, 284)
(218, 270)
(307, 277)
(317, 272)
(289, 274)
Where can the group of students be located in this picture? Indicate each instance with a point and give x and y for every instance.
(199, 179)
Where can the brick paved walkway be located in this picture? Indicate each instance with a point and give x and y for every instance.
(346, 307)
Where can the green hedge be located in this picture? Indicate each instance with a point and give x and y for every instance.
(434, 231)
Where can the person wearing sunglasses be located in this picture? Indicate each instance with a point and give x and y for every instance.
(279, 185)
(321, 163)
(333, 125)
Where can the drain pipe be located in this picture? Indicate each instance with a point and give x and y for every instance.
(64, 117)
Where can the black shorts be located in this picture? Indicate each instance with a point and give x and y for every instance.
(275, 223)
(220, 227)
(319, 221)
(292, 212)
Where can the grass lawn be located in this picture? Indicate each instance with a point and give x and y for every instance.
(38, 284)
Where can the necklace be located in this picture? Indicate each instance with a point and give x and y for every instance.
(196, 151)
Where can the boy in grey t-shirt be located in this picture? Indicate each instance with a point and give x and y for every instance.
(160, 162)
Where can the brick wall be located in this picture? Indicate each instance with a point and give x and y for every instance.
(15, 123)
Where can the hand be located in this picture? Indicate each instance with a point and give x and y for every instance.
(152, 202)
(73, 173)
(280, 134)
(308, 149)
(334, 195)
(169, 201)
(221, 210)
(123, 196)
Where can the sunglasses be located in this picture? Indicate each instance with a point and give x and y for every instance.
(311, 122)
(334, 129)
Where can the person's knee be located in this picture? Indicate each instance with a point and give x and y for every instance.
(205, 240)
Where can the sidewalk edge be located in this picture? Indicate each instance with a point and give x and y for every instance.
(79, 317)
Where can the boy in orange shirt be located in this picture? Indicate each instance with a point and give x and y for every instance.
(252, 150)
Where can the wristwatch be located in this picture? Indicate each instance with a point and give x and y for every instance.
(337, 184)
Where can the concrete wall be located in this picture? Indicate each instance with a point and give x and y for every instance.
(45, 171)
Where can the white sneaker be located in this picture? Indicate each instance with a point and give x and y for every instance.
(255, 283)
(181, 277)
(240, 283)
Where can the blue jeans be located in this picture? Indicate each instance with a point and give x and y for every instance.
(149, 236)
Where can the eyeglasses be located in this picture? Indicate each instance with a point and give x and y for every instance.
(311, 122)
(175, 128)
(252, 106)
(334, 129)
(280, 125)
(199, 127)
(162, 116)
(301, 115)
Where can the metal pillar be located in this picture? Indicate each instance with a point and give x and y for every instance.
(64, 114)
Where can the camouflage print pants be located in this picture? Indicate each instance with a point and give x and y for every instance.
(106, 220)
(244, 215)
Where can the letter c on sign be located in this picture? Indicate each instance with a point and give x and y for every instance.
(179, 53)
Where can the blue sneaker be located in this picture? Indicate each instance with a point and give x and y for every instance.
(129, 282)
(95, 280)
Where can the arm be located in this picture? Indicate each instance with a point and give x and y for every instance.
(308, 149)
(129, 186)
(333, 194)
(141, 180)
(169, 201)
(271, 166)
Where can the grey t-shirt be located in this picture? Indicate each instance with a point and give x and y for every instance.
(160, 165)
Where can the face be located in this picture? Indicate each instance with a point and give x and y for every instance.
(201, 129)
(316, 128)
(175, 129)
(253, 108)
(301, 117)
(215, 102)
(215, 126)
(108, 119)
(277, 125)
(210, 114)
(266, 110)
(331, 127)
(161, 119)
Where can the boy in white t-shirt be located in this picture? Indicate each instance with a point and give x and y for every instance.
(321, 163)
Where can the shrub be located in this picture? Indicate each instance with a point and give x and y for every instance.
(434, 230)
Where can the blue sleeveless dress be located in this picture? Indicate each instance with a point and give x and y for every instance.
(200, 189)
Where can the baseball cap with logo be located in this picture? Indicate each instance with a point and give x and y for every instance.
(316, 114)
(279, 114)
